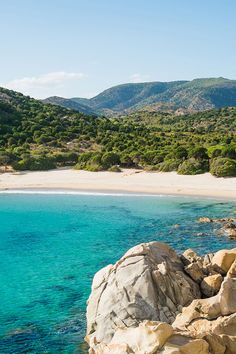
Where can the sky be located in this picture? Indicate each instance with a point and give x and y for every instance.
(78, 48)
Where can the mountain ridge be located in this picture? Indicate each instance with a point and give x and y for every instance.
(181, 96)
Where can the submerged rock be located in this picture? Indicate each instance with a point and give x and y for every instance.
(150, 302)
(228, 229)
(228, 226)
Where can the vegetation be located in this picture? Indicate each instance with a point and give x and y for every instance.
(185, 96)
(223, 167)
(37, 136)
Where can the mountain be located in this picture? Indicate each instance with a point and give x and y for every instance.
(174, 97)
(70, 104)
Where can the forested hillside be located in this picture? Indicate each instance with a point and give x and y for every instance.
(175, 97)
(37, 136)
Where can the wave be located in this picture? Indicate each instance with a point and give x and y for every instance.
(91, 193)
(106, 193)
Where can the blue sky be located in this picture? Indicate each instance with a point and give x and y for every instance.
(81, 47)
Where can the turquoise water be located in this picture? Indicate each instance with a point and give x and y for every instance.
(51, 246)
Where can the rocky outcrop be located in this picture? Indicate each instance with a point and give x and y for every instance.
(154, 301)
(228, 226)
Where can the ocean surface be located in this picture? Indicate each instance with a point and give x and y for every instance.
(52, 244)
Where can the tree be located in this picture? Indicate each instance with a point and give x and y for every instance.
(199, 153)
(110, 159)
(5, 159)
(223, 167)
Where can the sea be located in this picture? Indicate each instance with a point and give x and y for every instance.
(53, 242)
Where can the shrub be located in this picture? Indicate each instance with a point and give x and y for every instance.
(199, 153)
(109, 159)
(168, 165)
(94, 167)
(216, 153)
(114, 168)
(35, 164)
(229, 152)
(193, 166)
(180, 153)
(223, 167)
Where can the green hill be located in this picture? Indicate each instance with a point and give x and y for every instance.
(70, 104)
(39, 136)
(176, 97)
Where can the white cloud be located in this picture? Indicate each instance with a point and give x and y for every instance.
(40, 86)
(135, 78)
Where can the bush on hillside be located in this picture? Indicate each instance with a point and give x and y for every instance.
(199, 153)
(114, 168)
(39, 163)
(193, 166)
(223, 167)
(168, 165)
(110, 159)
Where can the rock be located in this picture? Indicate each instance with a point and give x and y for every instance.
(199, 328)
(230, 343)
(148, 337)
(227, 296)
(147, 304)
(195, 271)
(232, 270)
(223, 260)
(216, 344)
(199, 316)
(222, 304)
(207, 259)
(147, 283)
(189, 256)
(205, 220)
(228, 229)
(202, 308)
(184, 345)
(211, 284)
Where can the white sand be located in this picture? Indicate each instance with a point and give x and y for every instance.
(133, 181)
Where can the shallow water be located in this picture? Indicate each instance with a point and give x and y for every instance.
(51, 246)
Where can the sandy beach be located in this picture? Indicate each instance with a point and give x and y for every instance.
(132, 181)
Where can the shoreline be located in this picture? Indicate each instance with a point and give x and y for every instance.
(128, 182)
(112, 193)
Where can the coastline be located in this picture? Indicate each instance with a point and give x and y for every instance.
(129, 181)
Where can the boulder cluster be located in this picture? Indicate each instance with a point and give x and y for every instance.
(228, 226)
(154, 301)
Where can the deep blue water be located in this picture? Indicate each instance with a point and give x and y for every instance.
(51, 246)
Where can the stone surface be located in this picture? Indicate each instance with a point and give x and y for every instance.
(184, 345)
(195, 271)
(230, 343)
(148, 337)
(232, 270)
(205, 219)
(147, 283)
(223, 260)
(147, 303)
(227, 296)
(211, 284)
(222, 304)
(216, 344)
(189, 256)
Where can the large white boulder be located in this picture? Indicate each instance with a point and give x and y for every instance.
(147, 283)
